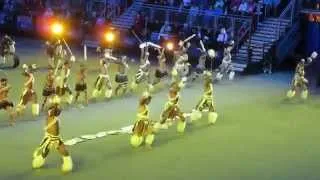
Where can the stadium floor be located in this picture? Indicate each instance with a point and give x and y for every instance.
(258, 135)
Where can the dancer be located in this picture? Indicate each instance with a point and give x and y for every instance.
(49, 88)
(181, 68)
(103, 81)
(201, 66)
(143, 74)
(50, 52)
(62, 83)
(299, 81)
(81, 85)
(183, 47)
(5, 104)
(142, 129)
(172, 110)
(105, 54)
(59, 54)
(206, 102)
(161, 71)
(52, 139)
(226, 65)
(5, 44)
(144, 51)
(122, 77)
(28, 94)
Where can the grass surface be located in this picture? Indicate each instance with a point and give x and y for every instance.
(258, 136)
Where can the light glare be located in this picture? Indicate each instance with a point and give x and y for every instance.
(57, 28)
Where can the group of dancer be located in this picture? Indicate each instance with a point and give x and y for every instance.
(57, 91)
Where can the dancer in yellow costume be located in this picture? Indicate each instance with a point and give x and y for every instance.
(299, 81)
(172, 109)
(142, 129)
(52, 139)
(103, 81)
(206, 102)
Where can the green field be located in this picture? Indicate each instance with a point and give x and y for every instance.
(258, 136)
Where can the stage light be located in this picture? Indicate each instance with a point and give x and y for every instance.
(109, 36)
(170, 46)
(57, 28)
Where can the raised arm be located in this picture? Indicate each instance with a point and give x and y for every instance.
(202, 46)
(312, 57)
(30, 79)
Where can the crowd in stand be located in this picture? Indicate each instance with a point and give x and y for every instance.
(146, 25)
(312, 4)
(203, 11)
(75, 12)
(160, 32)
(243, 7)
(216, 37)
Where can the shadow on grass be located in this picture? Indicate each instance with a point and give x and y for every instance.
(5, 125)
(294, 101)
(50, 170)
(171, 134)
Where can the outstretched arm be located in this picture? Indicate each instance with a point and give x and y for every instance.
(189, 38)
(5, 89)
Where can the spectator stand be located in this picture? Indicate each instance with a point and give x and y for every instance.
(19, 15)
(28, 15)
(8, 15)
(168, 21)
(311, 4)
(98, 17)
(105, 9)
(34, 16)
(96, 8)
(68, 12)
(237, 7)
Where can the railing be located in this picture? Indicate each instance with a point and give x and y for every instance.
(244, 36)
(241, 38)
(287, 14)
(288, 42)
(112, 11)
(186, 11)
(198, 18)
(106, 8)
